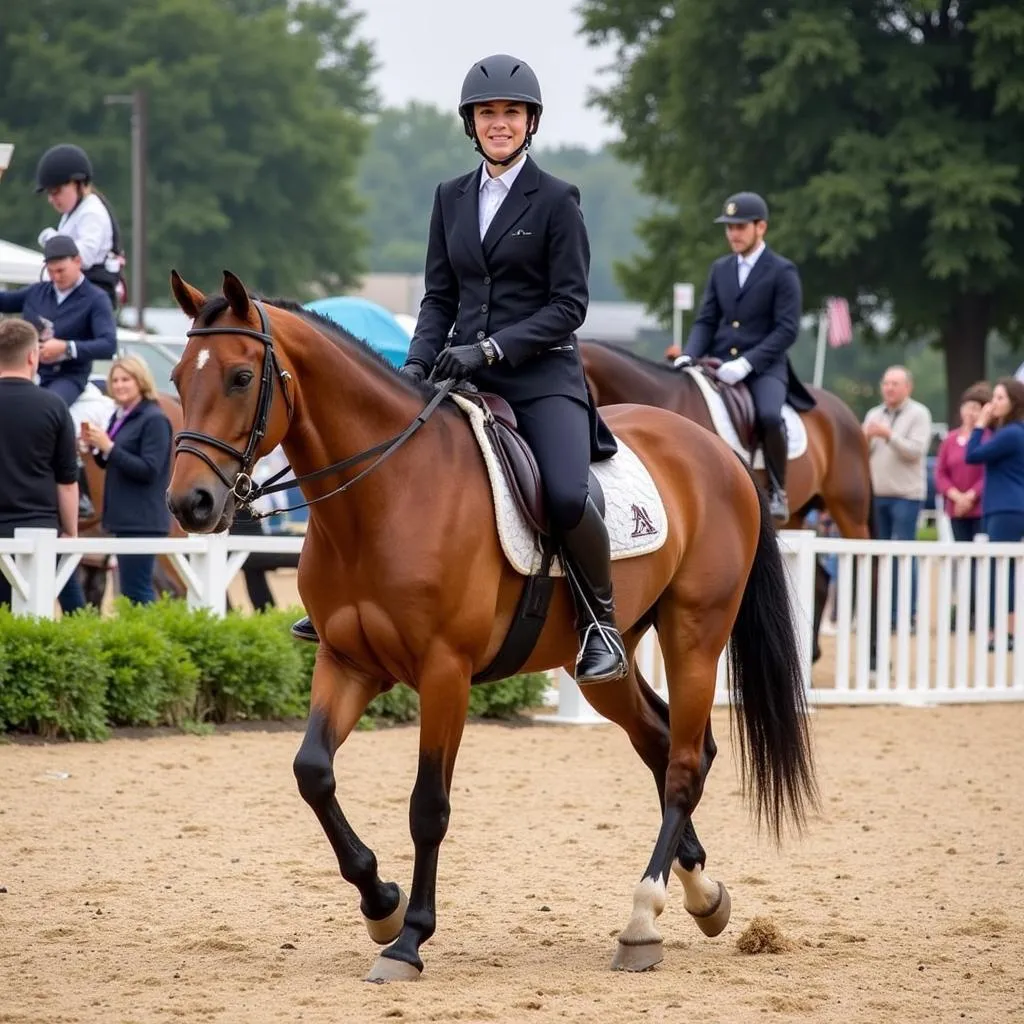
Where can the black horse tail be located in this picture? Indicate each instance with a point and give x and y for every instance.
(767, 689)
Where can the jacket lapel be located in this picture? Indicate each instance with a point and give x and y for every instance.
(467, 216)
(759, 269)
(515, 204)
(728, 284)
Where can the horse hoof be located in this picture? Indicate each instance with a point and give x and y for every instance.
(712, 922)
(388, 929)
(640, 957)
(385, 970)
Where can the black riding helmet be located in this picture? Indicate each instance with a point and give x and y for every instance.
(742, 208)
(61, 164)
(501, 77)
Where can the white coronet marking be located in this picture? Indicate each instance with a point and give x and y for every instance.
(648, 903)
(701, 891)
(203, 358)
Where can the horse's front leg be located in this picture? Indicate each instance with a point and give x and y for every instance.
(444, 702)
(338, 699)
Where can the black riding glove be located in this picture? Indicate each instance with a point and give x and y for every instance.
(414, 370)
(460, 362)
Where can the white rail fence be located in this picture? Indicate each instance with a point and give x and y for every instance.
(885, 658)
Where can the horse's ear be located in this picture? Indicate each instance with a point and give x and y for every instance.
(237, 296)
(190, 299)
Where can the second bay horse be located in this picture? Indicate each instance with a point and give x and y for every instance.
(833, 473)
(404, 578)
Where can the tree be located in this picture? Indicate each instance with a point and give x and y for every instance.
(612, 207)
(413, 148)
(888, 136)
(254, 129)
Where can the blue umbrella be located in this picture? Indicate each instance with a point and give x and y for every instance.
(366, 320)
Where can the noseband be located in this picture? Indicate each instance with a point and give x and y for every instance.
(242, 487)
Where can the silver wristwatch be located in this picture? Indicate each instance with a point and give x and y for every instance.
(488, 349)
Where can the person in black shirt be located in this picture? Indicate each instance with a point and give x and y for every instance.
(38, 457)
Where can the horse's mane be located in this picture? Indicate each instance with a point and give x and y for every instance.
(635, 356)
(343, 339)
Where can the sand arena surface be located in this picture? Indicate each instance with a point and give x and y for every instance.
(183, 878)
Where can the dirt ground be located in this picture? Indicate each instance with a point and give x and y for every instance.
(182, 878)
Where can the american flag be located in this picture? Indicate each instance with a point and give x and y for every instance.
(840, 327)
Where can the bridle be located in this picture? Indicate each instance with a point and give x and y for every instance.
(242, 487)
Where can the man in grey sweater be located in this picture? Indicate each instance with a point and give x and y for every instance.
(898, 432)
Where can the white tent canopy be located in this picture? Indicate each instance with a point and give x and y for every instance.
(19, 265)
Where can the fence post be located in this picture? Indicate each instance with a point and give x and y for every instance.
(39, 570)
(573, 708)
(211, 569)
(797, 547)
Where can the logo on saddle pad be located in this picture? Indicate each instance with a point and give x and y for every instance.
(642, 525)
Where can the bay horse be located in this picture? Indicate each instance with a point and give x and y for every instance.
(404, 578)
(833, 472)
(93, 572)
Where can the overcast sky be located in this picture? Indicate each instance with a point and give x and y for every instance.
(425, 47)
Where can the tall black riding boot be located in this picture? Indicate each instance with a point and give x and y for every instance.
(776, 454)
(587, 559)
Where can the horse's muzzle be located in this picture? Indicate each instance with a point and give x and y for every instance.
(196, 509)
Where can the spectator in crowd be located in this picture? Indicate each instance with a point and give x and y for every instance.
(75, 323)
(38, 462)
(1003, 458)
(74, 319)
(898, 432)
(959, 482)
(135, 450)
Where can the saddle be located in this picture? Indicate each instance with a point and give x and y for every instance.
(517, 461)
(739, 403)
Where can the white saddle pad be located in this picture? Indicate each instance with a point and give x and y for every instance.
(796, 432)
(634, 513)
(93, 407)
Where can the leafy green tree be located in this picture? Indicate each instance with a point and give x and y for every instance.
(412, 148)
(888, 136)
(254, 124)
(612, 207)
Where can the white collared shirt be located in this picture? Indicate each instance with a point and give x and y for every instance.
(493, 192)
(745, 264)
(61, 296)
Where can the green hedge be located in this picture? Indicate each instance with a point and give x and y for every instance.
(163, 664)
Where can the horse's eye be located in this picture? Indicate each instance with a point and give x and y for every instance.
(241, 378)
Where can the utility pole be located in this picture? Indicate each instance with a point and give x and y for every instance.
(137, 101)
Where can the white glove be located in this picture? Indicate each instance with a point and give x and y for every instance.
(45, 235)
(734, 371)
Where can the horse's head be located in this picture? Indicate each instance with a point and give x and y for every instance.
(227, 378)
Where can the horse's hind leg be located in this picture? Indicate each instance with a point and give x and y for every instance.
(633, 705)
(337, 701)
(706, 901)
(691, 654)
